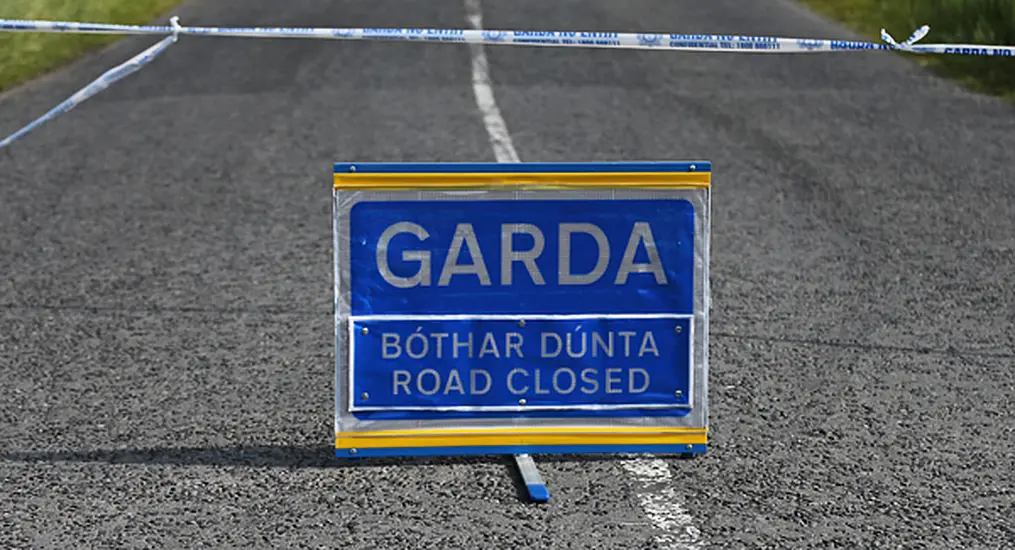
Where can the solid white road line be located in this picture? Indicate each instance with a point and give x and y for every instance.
(660, 501)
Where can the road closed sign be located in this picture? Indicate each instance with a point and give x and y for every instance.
(521, 308)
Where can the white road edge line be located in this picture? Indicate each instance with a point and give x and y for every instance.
(656, 495)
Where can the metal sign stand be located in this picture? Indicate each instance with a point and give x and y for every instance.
(533, 481)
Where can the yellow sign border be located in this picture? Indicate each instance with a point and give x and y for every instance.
(494, 437)
(542, 180)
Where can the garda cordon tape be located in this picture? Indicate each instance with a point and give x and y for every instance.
(562, 39)
(574, 39)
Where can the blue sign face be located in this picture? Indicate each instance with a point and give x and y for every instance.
(538, 307)
(534, 256)
(448, 364)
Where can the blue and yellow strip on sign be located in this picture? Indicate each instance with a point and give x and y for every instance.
(521, 441)
(657, 175)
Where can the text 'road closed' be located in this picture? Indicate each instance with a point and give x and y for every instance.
(453, 363)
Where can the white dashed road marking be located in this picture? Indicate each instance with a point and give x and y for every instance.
(500, 139)
(662, 504)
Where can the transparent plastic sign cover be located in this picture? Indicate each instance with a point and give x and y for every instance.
(521, 308)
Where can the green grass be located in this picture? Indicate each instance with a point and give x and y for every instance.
(951, 21)
(26, 55)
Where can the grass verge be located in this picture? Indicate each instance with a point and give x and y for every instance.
(951, 21)
(26, 55)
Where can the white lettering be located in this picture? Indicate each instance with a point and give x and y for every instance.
(564, 274)
(401, 379)
(648, 342)
(389, 341)
(439, 345)
(641, 233)
(556, 381)
(472, 382)
(456, 344)
(422, 275)
(576, 344)
(510, 381)
(513, 345)
(585, 378)
(417, 337)
(610, 380)
(627, 341)
(561, 381)
(608, 348)
(570, 350)
(464, 234)
(539, 390)
(630, 380)
(508, 255)
(559, 344)
(489, 346)
(454, 382)
(436, 382)
(465, 241)
(429, 382)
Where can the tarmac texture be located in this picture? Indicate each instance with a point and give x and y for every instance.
(166, 340)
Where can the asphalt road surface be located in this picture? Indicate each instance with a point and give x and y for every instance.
(166, 341)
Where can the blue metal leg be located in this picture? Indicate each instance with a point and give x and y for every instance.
(533, 481)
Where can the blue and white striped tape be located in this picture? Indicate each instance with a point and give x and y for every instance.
(566, 39)
(107, 79)
(576, 39)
